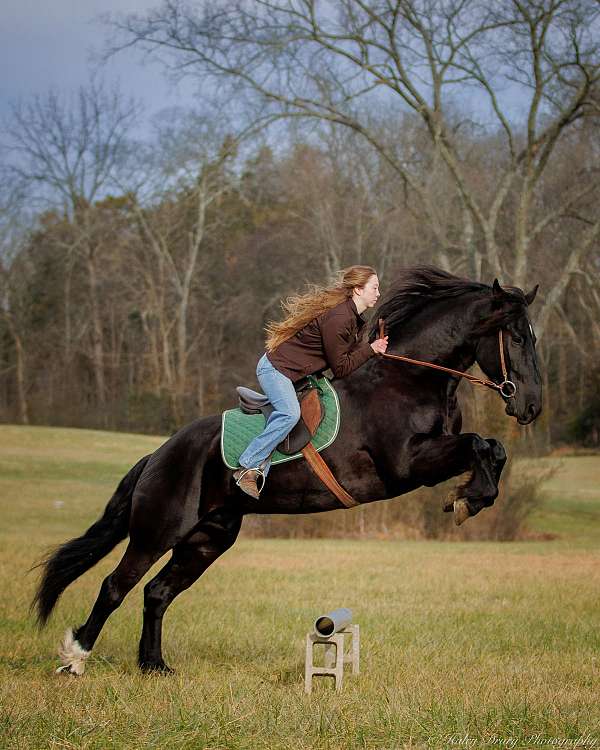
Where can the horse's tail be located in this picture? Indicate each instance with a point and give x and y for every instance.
(73, 558)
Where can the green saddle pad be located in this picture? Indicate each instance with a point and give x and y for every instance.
(238, 429)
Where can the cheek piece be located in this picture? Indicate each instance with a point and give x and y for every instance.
(507, 388)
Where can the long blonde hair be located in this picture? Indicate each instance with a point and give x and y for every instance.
(300, 309)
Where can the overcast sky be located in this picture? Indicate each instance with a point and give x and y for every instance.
(45, 43)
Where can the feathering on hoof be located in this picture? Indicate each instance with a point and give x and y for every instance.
(72, 655)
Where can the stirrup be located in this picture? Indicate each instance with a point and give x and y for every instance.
(259, 472)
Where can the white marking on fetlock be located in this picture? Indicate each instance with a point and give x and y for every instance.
(72, 655)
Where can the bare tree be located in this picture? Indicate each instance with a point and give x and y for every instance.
(335, 62)
(174, 208)
(13, 233)
(68, 153)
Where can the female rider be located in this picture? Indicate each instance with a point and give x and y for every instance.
(322, 329)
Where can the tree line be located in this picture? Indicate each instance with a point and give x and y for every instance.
(137, 274)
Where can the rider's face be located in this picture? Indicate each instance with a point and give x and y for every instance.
(369, 293)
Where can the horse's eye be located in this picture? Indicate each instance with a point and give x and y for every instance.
(517, 339)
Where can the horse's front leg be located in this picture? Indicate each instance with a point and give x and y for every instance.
(440, 458)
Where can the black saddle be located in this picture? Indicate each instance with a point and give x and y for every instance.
(253, 402)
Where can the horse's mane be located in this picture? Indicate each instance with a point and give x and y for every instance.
(418, 287)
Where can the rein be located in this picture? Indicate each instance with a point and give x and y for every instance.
(507, 388)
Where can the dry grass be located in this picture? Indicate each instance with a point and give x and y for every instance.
(479, 641)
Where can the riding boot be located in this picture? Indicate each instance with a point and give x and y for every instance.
(246, 480)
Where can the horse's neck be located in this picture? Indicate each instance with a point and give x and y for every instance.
(442, 339)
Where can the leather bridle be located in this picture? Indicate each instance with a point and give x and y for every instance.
(506, 388)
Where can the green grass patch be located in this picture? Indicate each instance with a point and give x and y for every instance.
(571, 501)
(463, 644)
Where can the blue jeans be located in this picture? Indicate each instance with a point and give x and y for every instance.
(286, 413)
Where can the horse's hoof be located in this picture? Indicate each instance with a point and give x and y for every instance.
(461, 511)
(156, 668)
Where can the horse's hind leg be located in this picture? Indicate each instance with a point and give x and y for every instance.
(76, 646)
(215, 533)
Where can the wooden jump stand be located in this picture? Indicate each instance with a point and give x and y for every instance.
(331, 630)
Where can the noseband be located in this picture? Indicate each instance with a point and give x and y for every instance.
(506, 388)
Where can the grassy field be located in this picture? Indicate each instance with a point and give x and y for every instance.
(463, 644)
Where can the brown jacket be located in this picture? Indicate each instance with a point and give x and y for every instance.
(333, 339)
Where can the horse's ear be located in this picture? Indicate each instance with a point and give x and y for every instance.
(498, 293)
(531, 295)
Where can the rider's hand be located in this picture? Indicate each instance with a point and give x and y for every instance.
(380, 345)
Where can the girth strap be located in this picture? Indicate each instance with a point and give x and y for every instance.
(323, 472)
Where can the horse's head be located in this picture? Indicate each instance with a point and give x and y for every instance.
(428, 310)
(506, 310)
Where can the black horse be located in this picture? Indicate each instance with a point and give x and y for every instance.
(400, 429)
